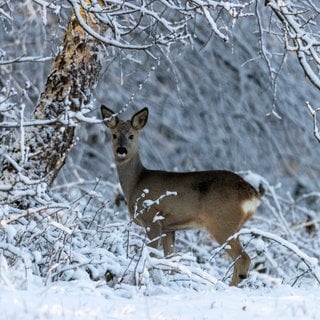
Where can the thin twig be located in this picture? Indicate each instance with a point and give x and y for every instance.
(313, 112)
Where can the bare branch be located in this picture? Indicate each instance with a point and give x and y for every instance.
(32, 211)
(22, 59)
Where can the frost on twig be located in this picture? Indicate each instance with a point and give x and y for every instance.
(141, 208)
(313, 113)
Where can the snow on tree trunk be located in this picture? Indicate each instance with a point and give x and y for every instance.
(32, 163)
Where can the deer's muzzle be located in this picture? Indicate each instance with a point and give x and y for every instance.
(121, 152)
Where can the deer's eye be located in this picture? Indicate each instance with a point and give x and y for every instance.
(131, 137)
(114, 136)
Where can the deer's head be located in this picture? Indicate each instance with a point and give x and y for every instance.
(125, 134)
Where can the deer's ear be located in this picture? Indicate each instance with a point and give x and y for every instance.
(109, 118)
(140, 119)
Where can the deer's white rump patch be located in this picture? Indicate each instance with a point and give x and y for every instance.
(249, 206)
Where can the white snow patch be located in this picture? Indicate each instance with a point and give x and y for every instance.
(85, 300)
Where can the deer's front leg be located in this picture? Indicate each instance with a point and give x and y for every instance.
(157, 235)
(154, 233)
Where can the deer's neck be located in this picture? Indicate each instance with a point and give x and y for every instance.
(129, 173)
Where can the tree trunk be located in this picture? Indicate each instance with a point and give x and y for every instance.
(32, 163)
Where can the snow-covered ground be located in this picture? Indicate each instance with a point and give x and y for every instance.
(85, 300)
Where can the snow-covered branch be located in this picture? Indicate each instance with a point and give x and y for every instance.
(311, 262)
(299, 22)
(49, 5)
(25, 59)
(32, 211)
(141, 25)
(70, 119)
(313, 113)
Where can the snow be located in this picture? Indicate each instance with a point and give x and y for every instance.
(85, 300)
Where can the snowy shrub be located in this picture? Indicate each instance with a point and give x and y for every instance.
(91, 238)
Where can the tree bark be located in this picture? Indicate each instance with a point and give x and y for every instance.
(32, 163)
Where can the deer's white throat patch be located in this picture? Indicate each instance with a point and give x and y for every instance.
(121, 155)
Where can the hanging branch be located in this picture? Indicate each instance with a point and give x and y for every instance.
(140, 25)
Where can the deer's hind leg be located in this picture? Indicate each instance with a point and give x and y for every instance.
(241, 261)
(240, 258)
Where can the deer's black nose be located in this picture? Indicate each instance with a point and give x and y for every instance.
(122, 151)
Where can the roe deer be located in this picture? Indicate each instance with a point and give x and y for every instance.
(219, 201)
